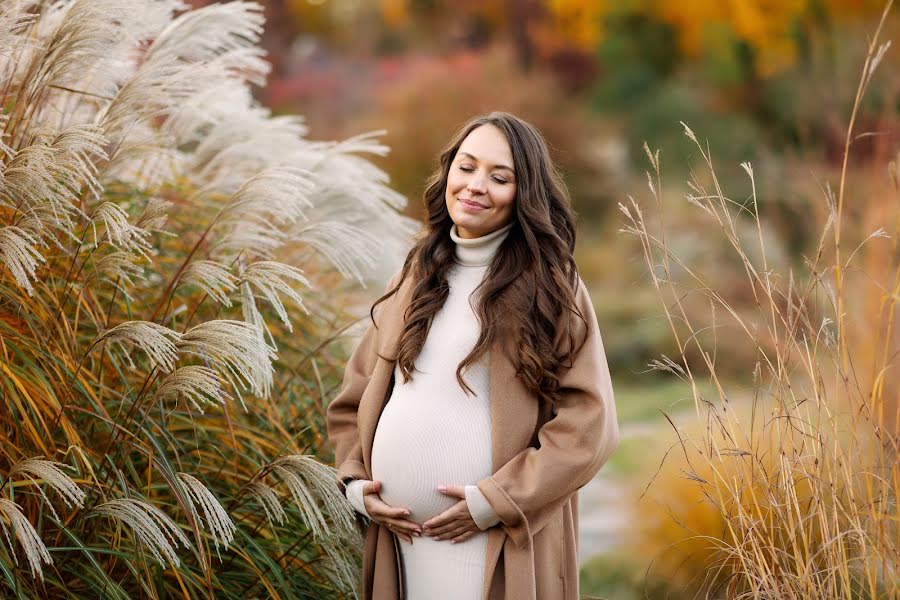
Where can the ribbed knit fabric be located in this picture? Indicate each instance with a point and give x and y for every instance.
(432, 433)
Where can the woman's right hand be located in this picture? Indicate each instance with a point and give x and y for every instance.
(393, 518)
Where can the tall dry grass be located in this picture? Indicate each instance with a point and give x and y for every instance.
(167, 248)
(796, 475)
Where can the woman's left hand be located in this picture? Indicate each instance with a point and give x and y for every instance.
(455, 523)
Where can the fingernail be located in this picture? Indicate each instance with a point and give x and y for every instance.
(452, 541)
(442, 488)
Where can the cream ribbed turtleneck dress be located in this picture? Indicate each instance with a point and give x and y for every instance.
(432, 433)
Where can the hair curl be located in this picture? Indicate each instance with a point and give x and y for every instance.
(532, 280)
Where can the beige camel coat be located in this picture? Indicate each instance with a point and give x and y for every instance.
(541, 456)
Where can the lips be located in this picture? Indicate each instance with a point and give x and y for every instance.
(471, 203)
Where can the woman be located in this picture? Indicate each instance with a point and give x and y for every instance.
(479, 401)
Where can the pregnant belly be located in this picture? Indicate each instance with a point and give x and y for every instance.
(422, 442)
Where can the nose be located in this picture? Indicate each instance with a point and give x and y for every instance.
(477, 184)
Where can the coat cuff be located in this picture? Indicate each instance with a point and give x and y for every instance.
(513, 519)
(480, 509)
(351, 469)
(355, 495)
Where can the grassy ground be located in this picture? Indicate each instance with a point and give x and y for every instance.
(639, 409)
(638, 402)
(615, 574)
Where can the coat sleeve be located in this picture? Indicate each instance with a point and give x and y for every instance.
(574, 444)
(341, 415)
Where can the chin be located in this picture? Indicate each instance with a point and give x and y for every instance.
(467, 222)
(476, 228)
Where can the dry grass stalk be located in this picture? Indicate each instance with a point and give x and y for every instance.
(802, 472)
(198, 384)
(144, 193)
(155, 530)
(28, 538)
(269, 502)
(309, 480)
(53, 475)
(216, 520)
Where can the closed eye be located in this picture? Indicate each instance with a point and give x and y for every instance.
(469, 169)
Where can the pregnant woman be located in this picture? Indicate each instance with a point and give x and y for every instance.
(479, 400)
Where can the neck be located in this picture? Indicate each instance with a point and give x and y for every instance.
(478, 252)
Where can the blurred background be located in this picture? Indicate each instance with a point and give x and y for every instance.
(771, 82)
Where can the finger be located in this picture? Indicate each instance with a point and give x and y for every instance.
(384, 511)
(452, 533)
(457, 491)
(463, 537)
(443, 529)
(445, 517)
(438, 521)
(372, 487)
(404, 525)
(449, 527)
(404, 535)
(379, 507)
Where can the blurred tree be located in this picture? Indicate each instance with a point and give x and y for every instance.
(559, 32)
(850, 8)
(754, 39)
(767, 28)
(395, 13)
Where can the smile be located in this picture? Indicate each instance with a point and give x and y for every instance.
(471, 204)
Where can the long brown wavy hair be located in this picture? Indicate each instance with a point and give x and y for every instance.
(531, 281)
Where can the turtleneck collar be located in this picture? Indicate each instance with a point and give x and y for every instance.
(478, 252)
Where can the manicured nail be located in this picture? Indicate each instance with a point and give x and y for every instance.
(442, 488)
(452, 541)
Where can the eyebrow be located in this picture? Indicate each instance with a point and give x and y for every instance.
(510, 169)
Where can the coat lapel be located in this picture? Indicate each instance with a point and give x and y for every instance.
(513, 411)
(513, 417)
(389, 319)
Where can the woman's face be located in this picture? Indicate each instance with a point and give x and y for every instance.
(481, 185)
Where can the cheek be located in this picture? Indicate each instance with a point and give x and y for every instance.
(506, 201)
(454, 183)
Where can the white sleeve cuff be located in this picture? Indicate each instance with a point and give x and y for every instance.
(482, 513)
(354, 492)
